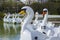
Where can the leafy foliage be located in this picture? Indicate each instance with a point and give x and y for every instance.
(52, 5)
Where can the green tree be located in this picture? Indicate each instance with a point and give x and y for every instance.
(36, 7)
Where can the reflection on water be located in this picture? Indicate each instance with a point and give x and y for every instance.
(7, 26)
(9, 31)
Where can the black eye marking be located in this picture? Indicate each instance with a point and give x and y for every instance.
(36, 38)
(44, 33)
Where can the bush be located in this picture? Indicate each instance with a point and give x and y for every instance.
(10, 7)
(53, 8)
(36, 7)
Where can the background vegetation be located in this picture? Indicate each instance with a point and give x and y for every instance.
(12, 7)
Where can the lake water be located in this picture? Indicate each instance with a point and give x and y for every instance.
(9, 31)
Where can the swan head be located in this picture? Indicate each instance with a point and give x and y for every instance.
(45, 11)
(26, 10)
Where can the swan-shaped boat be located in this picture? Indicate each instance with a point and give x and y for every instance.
(48, 28)
(28, 32)
(43, 22)
(42, 32)
(12, 18)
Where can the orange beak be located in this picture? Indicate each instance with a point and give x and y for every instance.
(22, 12)
(43, 13)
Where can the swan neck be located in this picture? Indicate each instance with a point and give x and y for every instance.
(27, 20)
(45, 19)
